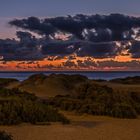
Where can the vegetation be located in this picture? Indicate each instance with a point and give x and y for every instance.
(17, 107)
(127, 80)
(5, 136)
(51, 85)
(68, 92)
(95, 99)
(6, 81)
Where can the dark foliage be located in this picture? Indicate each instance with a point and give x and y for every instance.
(95, 99)
(5, 136)
(4, 82)
(17, 107)
(127, 80)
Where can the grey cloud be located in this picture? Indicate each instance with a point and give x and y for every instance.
(25, 49)
(99, 50)
(134, 49)
(92, 36)
(134, 64)
(116, 24)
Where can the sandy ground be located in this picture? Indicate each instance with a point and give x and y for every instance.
(83, 127)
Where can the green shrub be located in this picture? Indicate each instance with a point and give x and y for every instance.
(122, 110)
(95, 99)
(17, 107)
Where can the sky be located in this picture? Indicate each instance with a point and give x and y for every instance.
(49, 8)
(82, 60)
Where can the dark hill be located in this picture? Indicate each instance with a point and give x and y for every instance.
(52, 85)
(127, 80)
(6, 81)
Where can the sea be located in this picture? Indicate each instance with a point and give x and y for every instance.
(104, 75)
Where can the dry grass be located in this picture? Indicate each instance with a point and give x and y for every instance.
(45, 91)
(122, 87)
(83, 127)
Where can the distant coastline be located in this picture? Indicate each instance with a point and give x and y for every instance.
(68, 71)
(105, 75)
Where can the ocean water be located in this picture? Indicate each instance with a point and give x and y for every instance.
(106, 75)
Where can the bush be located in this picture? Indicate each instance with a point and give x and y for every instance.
(123, 111)
(19, 107)
(95, 99)
(5, 136)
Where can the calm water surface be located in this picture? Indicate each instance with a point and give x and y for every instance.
(92, 75)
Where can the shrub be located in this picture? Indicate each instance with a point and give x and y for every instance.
(122, 110)
(5, 136)
(95, 99)
(19, 107)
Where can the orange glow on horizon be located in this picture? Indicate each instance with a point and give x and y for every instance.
(58, 64)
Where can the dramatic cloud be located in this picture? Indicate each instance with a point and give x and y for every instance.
(101, 65)
(99, 50)
(60, 48)
(113, 27)
(82, 49)
(75, 41)
(69, 64)
(134, 49)
(34, 24)
(134, 64)
(26, 48)
(98, 35)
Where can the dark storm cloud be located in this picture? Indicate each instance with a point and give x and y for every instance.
(99, 35)
(99, 50)
(90, 36)
(30, 48)
(24, 49)
(82, 49)
(134, 49)
(61, 48)
(34, 24)
(113, 27)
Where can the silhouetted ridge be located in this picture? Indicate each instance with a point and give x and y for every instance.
(127, 80)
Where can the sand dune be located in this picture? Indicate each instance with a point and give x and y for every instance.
(83, 127)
